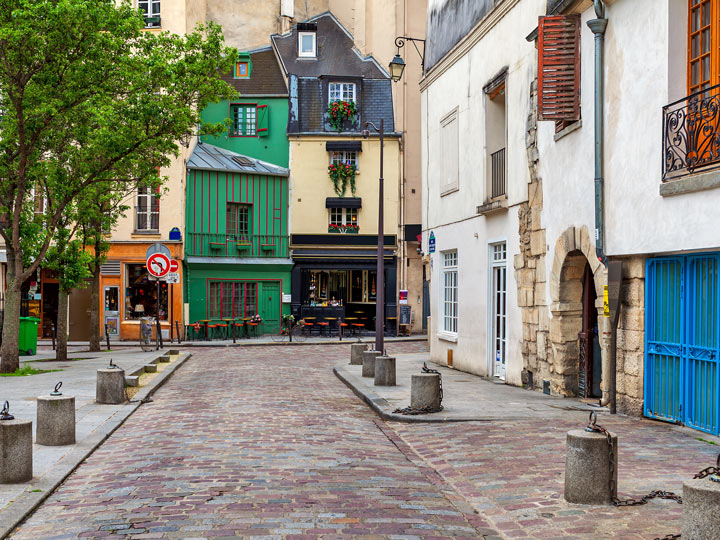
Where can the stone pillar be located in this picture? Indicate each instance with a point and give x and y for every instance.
(55, 420)
(368, 366)
(587, 468)
(700, 516)
(425, 391)
(110, 387)
(15, 451)
(385, 371)
(356, 353)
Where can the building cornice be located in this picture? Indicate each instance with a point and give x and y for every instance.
(467, 43)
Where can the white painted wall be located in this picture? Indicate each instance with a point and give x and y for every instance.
(453, 217)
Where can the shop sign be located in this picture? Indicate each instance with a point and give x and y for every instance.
(431, 243)
(158, 265)
(172, 277)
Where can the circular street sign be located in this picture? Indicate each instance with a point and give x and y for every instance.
(158, 265)
(157, 247)
(174, 266)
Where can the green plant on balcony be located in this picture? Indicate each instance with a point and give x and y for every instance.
(350, 228)
(341, 175)
(339, 110)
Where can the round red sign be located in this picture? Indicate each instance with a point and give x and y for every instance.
(158, 265)
(174, 266)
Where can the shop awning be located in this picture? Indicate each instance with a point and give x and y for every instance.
(343, 146)
(343, 202)
(349, 256)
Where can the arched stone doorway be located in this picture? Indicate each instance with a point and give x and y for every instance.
(575, 285)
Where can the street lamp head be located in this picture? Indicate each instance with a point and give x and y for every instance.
(397, 66)
(365, 133)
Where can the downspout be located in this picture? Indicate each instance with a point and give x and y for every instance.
(598, 27)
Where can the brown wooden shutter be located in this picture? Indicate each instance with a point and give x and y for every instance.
(559, 68)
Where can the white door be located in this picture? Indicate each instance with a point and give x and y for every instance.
(498, 337)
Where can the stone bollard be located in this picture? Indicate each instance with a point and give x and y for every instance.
(356, 353)
(368, 365)
(425, 391)
(110, 388)
(16, 447)
(164, 358)
(587, 468)
(385, 371)
(701, 500)
(55, 419)
(173, 352)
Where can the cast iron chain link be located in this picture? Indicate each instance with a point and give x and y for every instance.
(424, 410)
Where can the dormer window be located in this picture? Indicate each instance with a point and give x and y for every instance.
(243, 66)
(307, 45)
(307, 40)
(338, 91)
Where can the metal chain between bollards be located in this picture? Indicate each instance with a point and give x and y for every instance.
(410, 411)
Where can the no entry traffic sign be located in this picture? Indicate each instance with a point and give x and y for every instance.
(158, 265)
(174, 266)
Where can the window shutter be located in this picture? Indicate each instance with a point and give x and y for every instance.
(263, 120)
(559, 68)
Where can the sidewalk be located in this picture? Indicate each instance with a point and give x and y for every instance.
(94, 422)
(467, 398)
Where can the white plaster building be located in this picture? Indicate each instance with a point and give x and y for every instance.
(661, 75)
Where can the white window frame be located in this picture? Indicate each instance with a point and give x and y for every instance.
(449, 299)
(148, 11)
(307, 54)
(149, 212)
(497, 256)
(344, 157)
(341, 91)
(344, 214)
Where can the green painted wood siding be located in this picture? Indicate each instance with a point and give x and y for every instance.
(209, 192)
(273, 147)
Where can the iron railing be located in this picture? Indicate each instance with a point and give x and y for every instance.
(240, 246)
(497, 161)
(691, 134)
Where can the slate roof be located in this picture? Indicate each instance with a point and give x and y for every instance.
(336, 53)
(208, 157)
(266, 77)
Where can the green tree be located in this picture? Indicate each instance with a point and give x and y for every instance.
(89, 101)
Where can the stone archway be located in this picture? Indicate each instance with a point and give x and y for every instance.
(573, 253)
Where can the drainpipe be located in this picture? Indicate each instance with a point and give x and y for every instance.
(598, 27)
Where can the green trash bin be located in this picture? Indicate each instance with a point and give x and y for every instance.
(28, 335)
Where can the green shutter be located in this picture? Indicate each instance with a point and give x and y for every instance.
(263, 120)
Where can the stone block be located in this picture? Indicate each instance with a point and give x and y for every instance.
(543, 319)
(565, 329)
(632, 340)
(539, 294)
(571, 291)
(164, 358)
(55, 420)
(541, 345)
(518, 261)
(525, 277)
(633, 363)
(537, 243)
(385, 371)
(16, 450)
(531, 263)
(700, 516)
(110, 386)
(132, 380)
(151, 368)
(633, 386)
(587, 468)
(632, 318)
(632, 292)
(536, 218)
(356, 353)
(425, 391)
(634, 268)
(567, 239)
(541, 270)
(368, 367)
(174, 352)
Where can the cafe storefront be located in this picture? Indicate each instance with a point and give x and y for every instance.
(335, 277)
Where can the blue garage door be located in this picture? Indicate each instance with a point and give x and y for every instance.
(682, 380)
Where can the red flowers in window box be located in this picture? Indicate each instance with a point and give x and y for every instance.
(350, 228)
(339, 110)
(341, 175)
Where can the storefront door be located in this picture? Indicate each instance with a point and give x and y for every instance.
(270, 306)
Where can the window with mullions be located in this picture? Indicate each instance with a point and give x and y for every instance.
(231, 299)
(344, 157)
(151, 11)
(244, 120)
(450, 292)
(237, 221)
(341, 91)
(148, 210)
(343, 216)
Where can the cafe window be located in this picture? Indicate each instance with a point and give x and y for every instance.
(141, 294)
(328, 286)
(232, 299)
(363, 286)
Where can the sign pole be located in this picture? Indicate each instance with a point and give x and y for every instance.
(157, 317)
(172, 317)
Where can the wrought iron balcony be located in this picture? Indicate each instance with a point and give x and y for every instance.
(497, 162)
(691, 134)
(238, 246)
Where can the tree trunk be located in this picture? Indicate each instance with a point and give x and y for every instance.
(9, 353)
(61, 327)
(95, 309)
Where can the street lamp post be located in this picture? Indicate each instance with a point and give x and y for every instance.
(380, 296)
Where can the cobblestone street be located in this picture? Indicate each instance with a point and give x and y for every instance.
(266, 442)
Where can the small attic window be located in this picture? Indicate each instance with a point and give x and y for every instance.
(242, 161)
(307, 40)
(243, 67)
